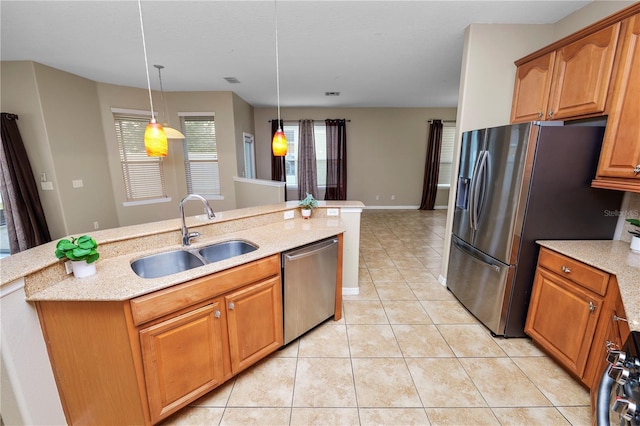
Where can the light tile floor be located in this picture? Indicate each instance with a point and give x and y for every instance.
(405, 353)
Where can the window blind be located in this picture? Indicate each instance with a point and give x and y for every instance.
(201, 155)
(143, 175)
(446, 153)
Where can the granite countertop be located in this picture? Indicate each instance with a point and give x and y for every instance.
(610, 256)
(45, 278)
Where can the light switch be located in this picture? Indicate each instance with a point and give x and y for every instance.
(77, 183)
(47, 186)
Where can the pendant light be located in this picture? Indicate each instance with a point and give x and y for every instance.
(169, 131)
(279, 143)
(155, 140)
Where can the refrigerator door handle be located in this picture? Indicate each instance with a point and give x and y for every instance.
(482, 260)
(473, 189)
(478, 186)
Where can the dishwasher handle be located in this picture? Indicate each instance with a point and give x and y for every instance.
(310, 250)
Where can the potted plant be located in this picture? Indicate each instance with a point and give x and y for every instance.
(82, 252)
(307, 205)
(635, 240)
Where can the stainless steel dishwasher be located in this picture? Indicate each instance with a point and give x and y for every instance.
(310, 274)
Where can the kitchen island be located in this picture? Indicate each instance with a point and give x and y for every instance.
(44, 279)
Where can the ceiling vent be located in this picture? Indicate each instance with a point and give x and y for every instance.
(332, 93)
(232, 80)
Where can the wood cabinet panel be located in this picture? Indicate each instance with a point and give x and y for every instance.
(255, 322)
(582, 75)
(583, 275)
(532, 87)
(562, 319)
(183, 358)
(620, 156)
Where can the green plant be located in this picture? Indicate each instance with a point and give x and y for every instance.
(636, 223)
(309, 203)
(81, 248)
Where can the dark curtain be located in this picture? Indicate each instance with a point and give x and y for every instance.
(432, 166)
(26, 223)
(278, 170)
(307, 163)
(336, 160)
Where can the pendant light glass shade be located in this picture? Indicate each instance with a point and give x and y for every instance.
(155, 140)
(279, 144)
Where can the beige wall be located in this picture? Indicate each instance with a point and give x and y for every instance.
(67, 126)
(386, 149)
(488, 73)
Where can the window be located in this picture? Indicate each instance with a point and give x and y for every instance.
(449, 132)
(291, 160)
(143, 175)
(249, 156)
(201, 155)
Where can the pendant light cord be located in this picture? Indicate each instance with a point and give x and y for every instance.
(146, 64)
(164, 103)
(277, 66)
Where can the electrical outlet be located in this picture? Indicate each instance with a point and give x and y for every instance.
(77, 183)
(393, 197)
(67, 267)
(377, 197)
(96, 225)
(333, 212)
(288, 214)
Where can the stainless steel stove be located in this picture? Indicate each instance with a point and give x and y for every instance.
(619, 391)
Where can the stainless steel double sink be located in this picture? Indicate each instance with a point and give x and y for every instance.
(172, 262)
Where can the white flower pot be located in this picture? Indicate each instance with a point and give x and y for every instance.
(83, 269)
(306, 213)
(635, 244)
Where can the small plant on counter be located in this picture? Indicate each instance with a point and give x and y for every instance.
(78, 249)
(309, 203)
(636, 223)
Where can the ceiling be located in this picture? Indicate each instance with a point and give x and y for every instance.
(375, 53)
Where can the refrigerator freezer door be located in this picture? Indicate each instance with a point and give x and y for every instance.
(480, 283)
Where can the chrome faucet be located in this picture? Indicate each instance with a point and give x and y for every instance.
(186, 235)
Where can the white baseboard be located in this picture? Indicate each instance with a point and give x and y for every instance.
(350, 291)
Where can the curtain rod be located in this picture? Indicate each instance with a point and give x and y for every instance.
(11, 116)
(321, 119)
(444, 121)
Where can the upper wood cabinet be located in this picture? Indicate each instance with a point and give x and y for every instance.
(619, 166)
(531, 92)
(572, 81)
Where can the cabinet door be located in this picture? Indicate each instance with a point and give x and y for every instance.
(562, 319)
(254, 317)
(621, 147)
(582, 73)
(183, 358)
(531, 90)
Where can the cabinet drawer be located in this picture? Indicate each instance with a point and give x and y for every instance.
(155, 305)
(584, 275)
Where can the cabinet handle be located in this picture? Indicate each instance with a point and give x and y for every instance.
(565, 269)
(636, 170)
(540, 114)
(592, 307)
(216, 314)
(617, 318)
(231, 306)
(550, 113)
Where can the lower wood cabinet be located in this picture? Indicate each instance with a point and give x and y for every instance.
(183, 358)
(139, 361)
(573, 313)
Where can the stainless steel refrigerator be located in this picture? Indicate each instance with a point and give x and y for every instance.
(518, 184)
